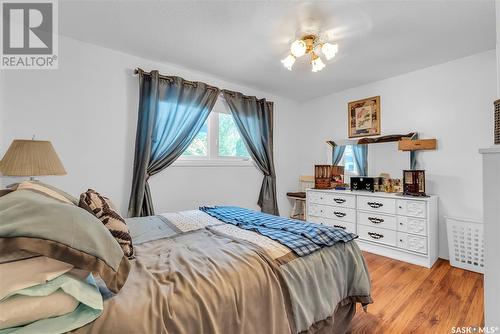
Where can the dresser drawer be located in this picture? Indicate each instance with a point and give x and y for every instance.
(336, 213)
(412, 225)
(349, 227)
(379, 235)
(377, 220)
(412, 242)
(377, 204)
(412, 208)
(341, 200)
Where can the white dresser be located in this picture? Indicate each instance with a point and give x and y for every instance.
(399, 227)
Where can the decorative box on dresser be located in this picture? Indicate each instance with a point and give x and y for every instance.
(400, 227)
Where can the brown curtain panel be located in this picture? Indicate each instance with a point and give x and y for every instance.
(254, 119)
(171, 112)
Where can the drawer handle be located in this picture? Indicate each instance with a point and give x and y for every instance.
(375, 220)
(339, 214)
(340, 226)
(375, 205)
(339, 200)
(375, 235)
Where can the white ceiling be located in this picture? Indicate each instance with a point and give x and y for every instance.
(243, 42)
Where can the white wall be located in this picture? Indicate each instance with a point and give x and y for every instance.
(497, 6)
(88, 109)
(450, 102)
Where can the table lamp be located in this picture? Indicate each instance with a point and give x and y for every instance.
(31, 158)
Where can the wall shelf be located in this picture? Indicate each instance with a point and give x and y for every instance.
(417, 145)
(374, 140)
(408, 142)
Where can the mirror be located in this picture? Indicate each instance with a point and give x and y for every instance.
(386, 158)
(383, 157)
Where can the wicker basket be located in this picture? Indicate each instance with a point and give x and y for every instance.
(466, 244)
(497, 122)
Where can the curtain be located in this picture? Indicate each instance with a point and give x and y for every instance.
(171, 112)
(361, 158)
(413, 160)
(254, 119)
(337, 153)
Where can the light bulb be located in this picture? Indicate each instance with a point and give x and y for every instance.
(329, 50)
(298, 48)
(288, 62)
(317, 63)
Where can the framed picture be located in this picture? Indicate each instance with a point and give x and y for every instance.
(364, 117)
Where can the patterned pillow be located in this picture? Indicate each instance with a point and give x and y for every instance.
(104, 209)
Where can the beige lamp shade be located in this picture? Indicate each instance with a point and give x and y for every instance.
(31, 158)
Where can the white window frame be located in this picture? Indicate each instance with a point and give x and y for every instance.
(213, 159)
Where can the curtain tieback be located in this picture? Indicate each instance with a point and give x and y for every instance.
(147, 177)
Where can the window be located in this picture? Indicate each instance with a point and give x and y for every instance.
(230, 143)
(350, 167)
(218, 140)
(199, 145)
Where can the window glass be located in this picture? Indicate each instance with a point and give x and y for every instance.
(199, 145)
(348, 160)
(230, 141)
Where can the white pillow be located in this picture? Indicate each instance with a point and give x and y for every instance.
(26, 273)
(20, 310)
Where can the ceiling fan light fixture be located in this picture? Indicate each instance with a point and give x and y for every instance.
(298, 48)
(329, 50)
(288, 62)
(310, 44)
(317, 63)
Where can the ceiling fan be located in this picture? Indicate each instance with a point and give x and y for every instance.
(312, 45)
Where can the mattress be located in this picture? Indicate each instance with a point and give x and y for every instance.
(196, 274)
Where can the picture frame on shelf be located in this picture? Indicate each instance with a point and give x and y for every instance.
(364, 117)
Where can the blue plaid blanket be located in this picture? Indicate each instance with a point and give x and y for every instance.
(301, 237)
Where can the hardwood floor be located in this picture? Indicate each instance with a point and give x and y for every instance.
(412, 299)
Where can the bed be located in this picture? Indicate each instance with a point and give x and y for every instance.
(193, 273)
(212, 270)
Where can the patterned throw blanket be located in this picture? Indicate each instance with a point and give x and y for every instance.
(301, 237)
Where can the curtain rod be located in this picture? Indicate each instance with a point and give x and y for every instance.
(138, 70)
(170, 78)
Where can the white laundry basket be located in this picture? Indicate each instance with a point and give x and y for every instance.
(466, 244)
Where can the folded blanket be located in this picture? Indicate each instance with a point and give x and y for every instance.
(302, 237)
(55, 320)
(22, 274)
(19, 310)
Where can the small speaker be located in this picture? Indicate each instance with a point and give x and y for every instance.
(497, 122)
